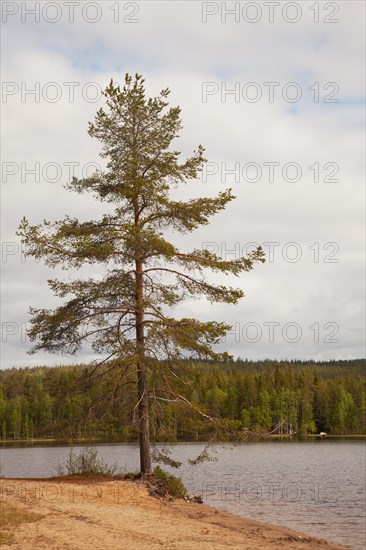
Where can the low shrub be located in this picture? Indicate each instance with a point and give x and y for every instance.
(168, 485)
(85, 463)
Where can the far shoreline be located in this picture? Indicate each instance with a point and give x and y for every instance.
(105, 440)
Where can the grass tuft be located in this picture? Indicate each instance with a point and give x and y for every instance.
(11, 517)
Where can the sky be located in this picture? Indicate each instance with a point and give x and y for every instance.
(274, 91)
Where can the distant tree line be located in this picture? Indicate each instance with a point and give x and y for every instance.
(299, 397)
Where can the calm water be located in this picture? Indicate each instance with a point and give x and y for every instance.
(317, 487)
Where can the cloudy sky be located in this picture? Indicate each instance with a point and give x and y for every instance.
(275, 93)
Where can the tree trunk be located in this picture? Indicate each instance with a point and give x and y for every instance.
(142, 390)
(144, 429)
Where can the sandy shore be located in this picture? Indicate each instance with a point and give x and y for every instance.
(120, 515)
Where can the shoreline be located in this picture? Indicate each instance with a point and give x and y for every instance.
(105, 514)
(96, 440)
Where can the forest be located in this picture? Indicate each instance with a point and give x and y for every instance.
(283, 397)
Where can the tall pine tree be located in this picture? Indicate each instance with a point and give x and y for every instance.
(125, 313)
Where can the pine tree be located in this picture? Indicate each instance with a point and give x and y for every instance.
(124, 314)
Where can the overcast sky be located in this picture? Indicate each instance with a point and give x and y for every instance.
(275, 93)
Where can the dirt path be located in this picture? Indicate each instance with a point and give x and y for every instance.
(120, 515)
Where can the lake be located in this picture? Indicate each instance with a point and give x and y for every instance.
(316, 486)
